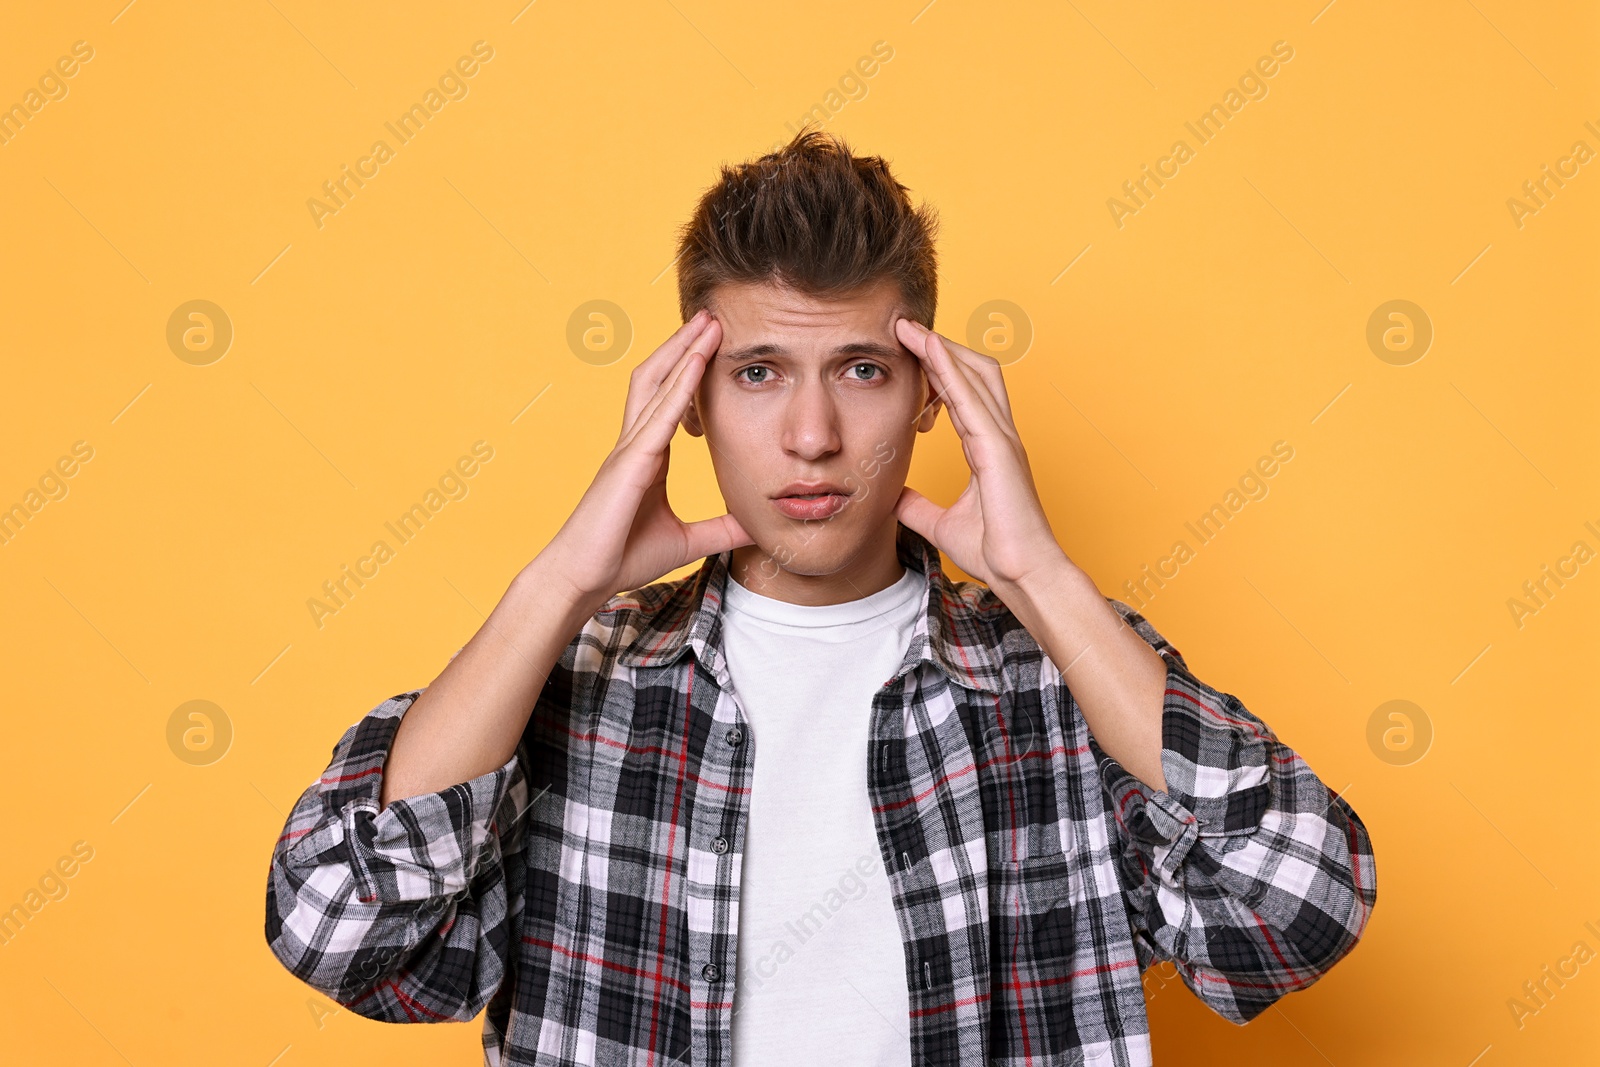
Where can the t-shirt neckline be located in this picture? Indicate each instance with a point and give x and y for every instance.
(740, 598)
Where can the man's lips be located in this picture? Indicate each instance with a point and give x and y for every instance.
(816, 500)
(821, 507)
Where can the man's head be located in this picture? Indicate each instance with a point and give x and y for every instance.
(806, 257)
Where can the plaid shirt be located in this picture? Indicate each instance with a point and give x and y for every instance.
(587, 892)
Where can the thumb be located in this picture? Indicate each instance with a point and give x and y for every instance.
(918, 512)
(707, 537)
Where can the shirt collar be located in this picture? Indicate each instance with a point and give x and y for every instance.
(956, 630)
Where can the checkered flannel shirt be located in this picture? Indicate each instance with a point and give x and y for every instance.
(587, 892)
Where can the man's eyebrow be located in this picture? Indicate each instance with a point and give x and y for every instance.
(750, 353)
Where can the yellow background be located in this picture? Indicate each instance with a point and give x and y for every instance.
(370, 353)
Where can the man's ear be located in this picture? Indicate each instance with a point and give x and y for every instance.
(930, 413)
(691, 418)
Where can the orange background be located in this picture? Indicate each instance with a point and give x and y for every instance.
(431, 311)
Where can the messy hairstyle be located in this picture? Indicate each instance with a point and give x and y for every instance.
(814, 217)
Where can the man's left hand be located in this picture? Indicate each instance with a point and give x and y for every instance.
(996, 530)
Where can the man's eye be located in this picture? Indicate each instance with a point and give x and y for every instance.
(874, 372)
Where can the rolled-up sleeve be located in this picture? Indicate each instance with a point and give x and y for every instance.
(1247, 871)
(403, 914)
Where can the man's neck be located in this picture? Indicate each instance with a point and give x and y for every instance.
(873, 569)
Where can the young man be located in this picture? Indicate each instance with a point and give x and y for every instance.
(815, 802)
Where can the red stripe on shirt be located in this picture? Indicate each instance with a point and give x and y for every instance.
(969, 768)
(636, 972)
(351, 777)
(666, 881)
(1215, 714)
(951, 1006)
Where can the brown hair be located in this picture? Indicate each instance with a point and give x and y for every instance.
(815, 217)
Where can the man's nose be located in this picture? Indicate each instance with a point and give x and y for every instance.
(811, 421)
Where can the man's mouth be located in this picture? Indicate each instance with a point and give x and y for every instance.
(811, 501)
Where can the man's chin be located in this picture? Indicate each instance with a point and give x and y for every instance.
(811, 548)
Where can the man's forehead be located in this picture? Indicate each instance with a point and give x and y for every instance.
(766, 313)
(858, 344)
(772, 322)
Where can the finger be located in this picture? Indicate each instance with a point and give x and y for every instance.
(659, 421)
(708, 537)
(642, 416)
(975, 381)
(659, 403)
(996, 416)
(918, 512)
(914, 337)
(987, 368)
(967, 409)
(936, 389)
(692, 360)
(980, 385)
(648, 376)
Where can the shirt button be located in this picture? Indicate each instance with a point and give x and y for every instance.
(719, 845)
(734, 736)
(711, 972)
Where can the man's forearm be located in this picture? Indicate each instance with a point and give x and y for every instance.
(469, 720)
(1118, 680)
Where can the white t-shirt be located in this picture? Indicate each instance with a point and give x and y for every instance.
(821, 971)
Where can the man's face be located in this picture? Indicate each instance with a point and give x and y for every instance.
(810, 390)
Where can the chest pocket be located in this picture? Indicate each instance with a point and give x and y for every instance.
(1016, 773)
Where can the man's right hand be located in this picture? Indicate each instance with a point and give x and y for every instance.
(623, 534)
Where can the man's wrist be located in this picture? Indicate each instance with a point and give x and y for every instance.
(1054, 583)
(543, 582)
